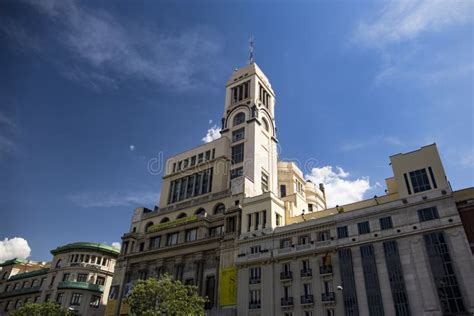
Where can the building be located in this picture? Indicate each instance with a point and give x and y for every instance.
(404, 253)
(258, 239)
(211, 195)
(78, 277)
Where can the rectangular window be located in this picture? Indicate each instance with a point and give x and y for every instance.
(82, 277)
(240, 92)
(193, 161)
(66, 276)
(324, 235)
(191, 235)
(428, 214)
(238, 134)
(76, 299)
(237, 153)
(305, 265)
(95, 301)
(216, 231)
(372, 286)
(407, 183)
(386, 223)
(235, 173)
(59, 298)
(264, 182)
(254, 297)
(155, 242)
(307, 289)
(442, 269)
(230, 224)
(185, 163)
(200, 158)
(172, 239)
(363, 227)
(257, 220)
(255, 273)
(264, 219)
(100, 280)
(303, 240)
(285, 243)
(432, 177)
(348, 283)
(190, 186)
(278, 220)
(208, 155)
(249, 222)
(419, 181)
(282, 190)
(342, 232)
(395, 275)
(310, 207)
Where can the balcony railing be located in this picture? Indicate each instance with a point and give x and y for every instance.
(286, 275)
(27, 290)
(325, 270)
(328, 297)
(287, 301)
(306, 272)
(254, 305)
(254, 280)
(80, 286)
(307, 299)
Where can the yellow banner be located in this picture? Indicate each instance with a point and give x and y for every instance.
(179, 221)
(228, 286)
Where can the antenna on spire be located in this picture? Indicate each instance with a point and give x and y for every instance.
(251, 58)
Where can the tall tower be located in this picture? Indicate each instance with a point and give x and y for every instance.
(249, 124)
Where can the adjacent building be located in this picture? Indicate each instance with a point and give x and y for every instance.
(257, 238)
(78, 277)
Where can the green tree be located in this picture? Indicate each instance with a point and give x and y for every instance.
(42, 309)
(154, 297)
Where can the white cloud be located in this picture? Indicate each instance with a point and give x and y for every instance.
(402, 20)
(132, 147)
(212, 134)
(16, 247)
(117, 245)
(113, 199)
(339, 188)
(104, 51)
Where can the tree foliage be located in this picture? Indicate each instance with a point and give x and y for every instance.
(42, 309)
(165, 296)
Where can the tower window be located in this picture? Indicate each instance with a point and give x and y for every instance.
(265, 124)
(241, 92)
(282, 190)
(264, 182)
(419, 181)
(263, 96)
(239, 118)
(237, 153)
(238, 134)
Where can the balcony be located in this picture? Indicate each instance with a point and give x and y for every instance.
(328, 297)
(254, 280)
(254, 305)
(307, 299)
(286, 275)
(28, 290)
(80, 286)
(306, 273)
(287, 301)
(325, 270)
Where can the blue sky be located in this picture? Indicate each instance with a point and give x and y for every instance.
(90, 91)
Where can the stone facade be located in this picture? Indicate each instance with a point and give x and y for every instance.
(78, 277)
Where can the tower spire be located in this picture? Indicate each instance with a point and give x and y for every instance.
(251, 57)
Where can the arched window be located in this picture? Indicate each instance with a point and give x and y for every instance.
(239, 118)
(148, 225)
(182, 215)
(200, 211)
(219, 209)
(58, 264)
(265, 124)
(164, 220)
